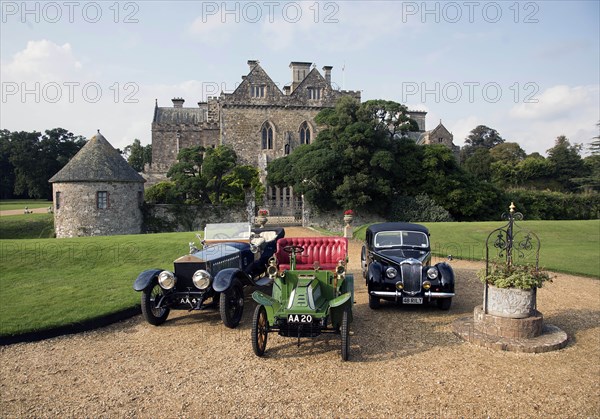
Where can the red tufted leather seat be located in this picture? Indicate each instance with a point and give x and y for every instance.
(327, 250)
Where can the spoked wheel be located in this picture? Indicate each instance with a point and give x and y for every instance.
(231, 305)
(444, 303)
(260, 330)
(345, 332)
(151, 296)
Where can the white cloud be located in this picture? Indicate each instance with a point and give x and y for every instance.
(42, 61)
(557, 102)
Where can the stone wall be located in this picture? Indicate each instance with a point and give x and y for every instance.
(165, 138)
(170, 218)
(78, 214)
(242, 130)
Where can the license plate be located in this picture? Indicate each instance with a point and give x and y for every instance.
(300, 318)
(412, 300)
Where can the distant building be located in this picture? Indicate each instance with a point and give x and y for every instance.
(97, 193)
(439, 135)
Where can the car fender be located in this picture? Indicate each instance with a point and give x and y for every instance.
(225, 278)
(145, 279)
(337, 306)
(263, 299)
(339, 300)
(375, 272)
(447, 274)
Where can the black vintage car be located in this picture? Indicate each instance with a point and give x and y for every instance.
(233, 255)
(396, 264)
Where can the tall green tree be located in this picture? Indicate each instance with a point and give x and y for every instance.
(480, 136)
(138, 155)
(218, 162)
(30, 159)
(187, 176)
(567, 162)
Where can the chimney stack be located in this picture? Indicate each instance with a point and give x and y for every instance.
(299, 72)
(178, 102)
(327, 74)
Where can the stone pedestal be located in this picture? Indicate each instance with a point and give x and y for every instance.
(518, 335)
(348, 231)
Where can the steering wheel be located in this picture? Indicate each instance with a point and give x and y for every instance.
(221, 236)
(293, 249)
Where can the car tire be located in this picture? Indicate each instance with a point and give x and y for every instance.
(150, 296)
(374, 302)
(345, 332)
(231, 305)
(444, 303)
(260, 330)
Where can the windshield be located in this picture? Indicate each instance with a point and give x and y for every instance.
(401, 238)
(224, 231)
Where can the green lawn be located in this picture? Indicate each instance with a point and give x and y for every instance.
(47, 283)
(566, 246)
(20, 204)
(30, 226)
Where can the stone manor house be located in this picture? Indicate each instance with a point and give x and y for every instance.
(260, 122)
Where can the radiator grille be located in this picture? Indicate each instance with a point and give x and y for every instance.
(230, 262)
(411, 275)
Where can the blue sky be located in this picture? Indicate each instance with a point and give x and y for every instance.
(528, 69)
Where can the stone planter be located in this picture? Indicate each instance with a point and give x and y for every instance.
(513, 303)
(261, 220)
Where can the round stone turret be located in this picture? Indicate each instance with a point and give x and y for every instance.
(97, 193)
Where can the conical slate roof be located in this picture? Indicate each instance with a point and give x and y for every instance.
(97, 161)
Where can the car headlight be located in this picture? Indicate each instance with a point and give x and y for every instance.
(166, 280)
(432, 273)
(340, 269)
(201, 279)
(391, 272)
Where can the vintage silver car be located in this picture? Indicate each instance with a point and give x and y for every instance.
(233, 255)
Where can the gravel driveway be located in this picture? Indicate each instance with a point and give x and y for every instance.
(404, 362)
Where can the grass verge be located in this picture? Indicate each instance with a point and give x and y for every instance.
(12, 204)
(566, 246)
(30, 226)
(48, 283)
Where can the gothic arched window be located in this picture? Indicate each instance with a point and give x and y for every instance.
(304, 133)
(267, 136)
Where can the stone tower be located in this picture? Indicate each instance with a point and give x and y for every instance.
(97, 193)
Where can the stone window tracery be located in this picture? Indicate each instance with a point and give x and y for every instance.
(314, 93)
(257, 90)
(267, 136)
(304, 133)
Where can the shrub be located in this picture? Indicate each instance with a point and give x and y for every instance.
(420, 208)
(515, 276)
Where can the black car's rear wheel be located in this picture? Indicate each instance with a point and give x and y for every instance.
(444, 303)
(374, 302)
(151, 296)
(345, 332)
(231, 305)
(260, 330)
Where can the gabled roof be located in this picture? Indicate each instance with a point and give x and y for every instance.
(312, 78)
(257, 74)
(97, 161)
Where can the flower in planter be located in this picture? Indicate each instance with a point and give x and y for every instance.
(514, 276)
(348, 212)
(263, 212)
